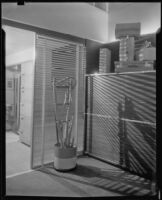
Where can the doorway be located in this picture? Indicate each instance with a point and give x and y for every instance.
(19, 96)
(22, 47)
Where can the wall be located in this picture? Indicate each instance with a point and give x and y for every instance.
(78, 19)
(148, 14)
(20, 57)
(92, 56)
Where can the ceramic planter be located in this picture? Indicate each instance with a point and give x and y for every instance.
(64, 158)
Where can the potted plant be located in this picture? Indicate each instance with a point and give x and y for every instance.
(65, 149)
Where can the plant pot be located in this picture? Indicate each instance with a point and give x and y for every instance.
(64, 158)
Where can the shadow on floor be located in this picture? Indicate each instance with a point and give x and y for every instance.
(116, 180)
(137, 140)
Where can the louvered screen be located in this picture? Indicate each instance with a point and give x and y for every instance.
(63, 65)
(121, 120)
(58, 59)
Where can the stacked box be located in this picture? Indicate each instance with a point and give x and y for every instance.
(104, 60)
(147, 54)
(125, 66)
(123, 50)
(126, 49)
(130, 29)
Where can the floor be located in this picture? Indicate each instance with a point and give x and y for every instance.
(17, 155)
(90, 178)
(11, 137)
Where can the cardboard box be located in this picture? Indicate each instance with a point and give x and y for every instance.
(127, 29)
(126, 50)
(146, 54)
(104, 60)
(149, 53)
(134, 66)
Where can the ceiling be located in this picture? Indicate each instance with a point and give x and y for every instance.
(17, 40)
(116, 5)
(80, 19)
(77, 19)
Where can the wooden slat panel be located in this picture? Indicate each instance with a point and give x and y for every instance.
(122, 120)
(54, 59)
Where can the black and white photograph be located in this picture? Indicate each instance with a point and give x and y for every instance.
(80, 99)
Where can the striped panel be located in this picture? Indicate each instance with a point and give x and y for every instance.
(63, 65)
(53, 59)
(122, 120)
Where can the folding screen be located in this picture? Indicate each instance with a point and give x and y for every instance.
(121, 120)
(58, 59)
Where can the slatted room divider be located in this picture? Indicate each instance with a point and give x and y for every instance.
(58, 59)
(121, 120)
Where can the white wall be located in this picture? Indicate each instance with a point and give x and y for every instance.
(78, 19)
(18, 39)
(149, 14)
(20, 57)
